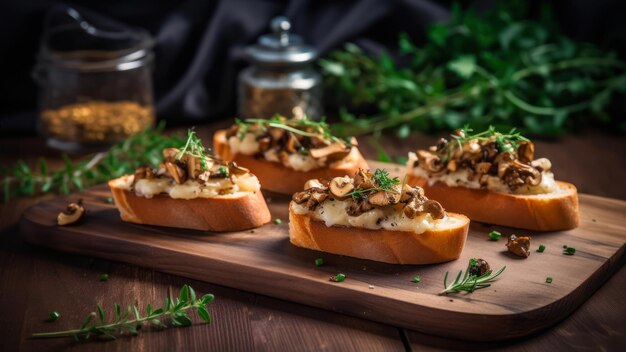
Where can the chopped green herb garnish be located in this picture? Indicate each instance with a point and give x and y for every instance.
(416, 278)
(541, 248)
(548, 280)
(104, 277)
(278, 221)
(54, 315)
(108, 200)
(223, 171)
(494, 235)
(319, 262)
(569, 250)
(338, 278)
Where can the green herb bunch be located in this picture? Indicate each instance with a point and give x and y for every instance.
(140, 150)
(500, 69)
(129, 321)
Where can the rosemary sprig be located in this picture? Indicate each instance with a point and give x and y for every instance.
(468, 282)
(130, 320)
(381, 181)
(142, 149)
(303, 127)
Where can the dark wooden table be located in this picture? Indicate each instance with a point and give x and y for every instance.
(35, 281)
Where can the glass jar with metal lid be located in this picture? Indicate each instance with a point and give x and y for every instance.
(95, 80)
(281, 78)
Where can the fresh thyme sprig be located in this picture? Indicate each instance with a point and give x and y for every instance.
(142, 149)
(468, 282)
(505, 142)
(195, 148)
(381, 181)
(131, 320)
(297, 126)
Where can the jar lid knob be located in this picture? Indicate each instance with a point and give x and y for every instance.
(280, 26)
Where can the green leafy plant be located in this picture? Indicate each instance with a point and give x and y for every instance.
(132, 319)
(142, 149)
(468, 282)
(501, 68)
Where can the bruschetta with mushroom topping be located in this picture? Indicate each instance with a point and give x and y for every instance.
(285, 153)
(192, 189)
(376, 217)
(494, 177)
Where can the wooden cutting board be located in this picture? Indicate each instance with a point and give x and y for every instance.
(263, 261)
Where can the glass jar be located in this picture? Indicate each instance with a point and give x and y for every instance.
(281, 78)
(95, 81)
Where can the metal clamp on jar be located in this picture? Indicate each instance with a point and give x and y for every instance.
(281, 79)
(95, 80)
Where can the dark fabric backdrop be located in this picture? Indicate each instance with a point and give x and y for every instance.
(199, 42)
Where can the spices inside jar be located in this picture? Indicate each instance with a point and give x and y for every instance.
(96, 121)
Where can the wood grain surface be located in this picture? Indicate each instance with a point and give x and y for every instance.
(35, 280)
(276, 268)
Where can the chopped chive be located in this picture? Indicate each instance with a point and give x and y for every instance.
(541, 248)
(223, 170)
(54, 315)
(338, 278)
(104, 277)
(319, 262)
(278, 221)
(569, 251)
(494, 235)
(548, 280)
(416, 278)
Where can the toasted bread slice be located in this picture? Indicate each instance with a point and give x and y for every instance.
(232, 212)
(540, 212)
(442, 243)
(278, 178)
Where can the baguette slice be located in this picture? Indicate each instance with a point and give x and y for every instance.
(540, 212)
(278, 178)
(441, 244)
(238, 211)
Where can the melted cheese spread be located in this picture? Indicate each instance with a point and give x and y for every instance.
(459, 178)
(190, 189)
(248, 145)
(333, 213)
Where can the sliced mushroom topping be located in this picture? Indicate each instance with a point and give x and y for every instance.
(193, 166)
(528, 174)
(435, 209)
(356, 208)
(430, 162)
(290, 145)
(452, 165)
(265, 143)
(482, 168)
(363, 179)
(176, 172)
(382, 198)
(235, 169)
(526, 152)
(314, 183)
(301, 197)
(205, 176)
(541, 164)
(169, 154)
(277, 133)
(316, 197)
(337, 150)
(73, 214)
(142, 173)
(340, 187)
(520, 246)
